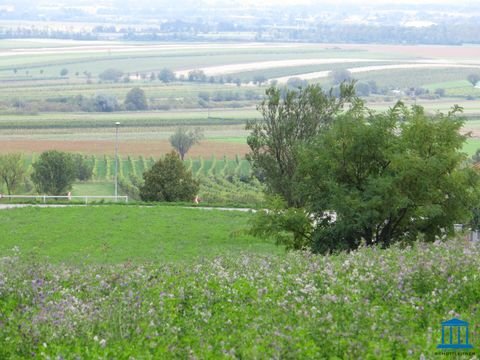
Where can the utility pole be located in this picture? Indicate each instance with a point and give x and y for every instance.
(117, 124)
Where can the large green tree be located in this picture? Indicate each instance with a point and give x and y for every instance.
(290, 118)
(12, 171)
(168, 180)
(111, 75)
(54, 172)
(105, 103)
(136, 100)
(166, 75)
(377, 178)
(394, 176)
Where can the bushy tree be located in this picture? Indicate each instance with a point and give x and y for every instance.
(168, 180)
(54, 172)
(12, 171)
(341, 75)
(296, 83)
(290, 119)
(105, 103)
(473, 79)
(197, 75)
(395, 176)
(113, 75)
(166, 75)
(183, 139)
(64, 72)
(136, 100)
(83, 167)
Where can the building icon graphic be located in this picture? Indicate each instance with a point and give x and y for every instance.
(455, 335)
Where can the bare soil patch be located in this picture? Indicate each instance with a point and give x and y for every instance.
(101, 147)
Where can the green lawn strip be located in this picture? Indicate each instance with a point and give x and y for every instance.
(93, 189)
(114, 234)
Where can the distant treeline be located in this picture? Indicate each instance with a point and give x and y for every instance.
(446, 33)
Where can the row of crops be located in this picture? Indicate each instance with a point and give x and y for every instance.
(104, 167)
(222, 180)
(130, 167)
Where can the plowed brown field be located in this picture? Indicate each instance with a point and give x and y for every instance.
(146, 148)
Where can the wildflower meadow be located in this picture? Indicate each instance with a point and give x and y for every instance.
(367, 304)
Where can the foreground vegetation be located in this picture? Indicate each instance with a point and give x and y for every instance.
(370, 303)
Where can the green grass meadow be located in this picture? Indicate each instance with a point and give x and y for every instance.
(93, 188)
(117, 234)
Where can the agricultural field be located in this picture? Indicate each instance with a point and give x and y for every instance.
(223, 181)
(37, 101)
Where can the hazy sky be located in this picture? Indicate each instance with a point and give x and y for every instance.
(269, 2)
(343, 5)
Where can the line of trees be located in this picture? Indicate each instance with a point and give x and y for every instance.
(53, 173)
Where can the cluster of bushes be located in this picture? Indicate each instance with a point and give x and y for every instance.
(53, 173)
(205, 97)
(135, 100)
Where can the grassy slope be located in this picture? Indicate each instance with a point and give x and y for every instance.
(112, 234)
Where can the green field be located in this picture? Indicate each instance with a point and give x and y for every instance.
(131, 166)
(116, 234)
(93, 189)
(36, 103)
(214, 117)
(427, 78)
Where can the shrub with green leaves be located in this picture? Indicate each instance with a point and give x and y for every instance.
(54, 172)
(168, 180)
